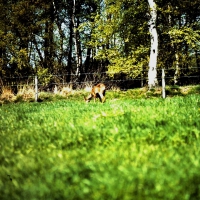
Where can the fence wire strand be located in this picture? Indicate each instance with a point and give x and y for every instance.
(92, 78)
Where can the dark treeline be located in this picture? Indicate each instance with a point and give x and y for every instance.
(94, 36)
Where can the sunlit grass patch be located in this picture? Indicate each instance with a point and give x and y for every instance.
(126, 148)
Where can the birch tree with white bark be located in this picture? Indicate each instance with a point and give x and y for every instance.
(152, 73)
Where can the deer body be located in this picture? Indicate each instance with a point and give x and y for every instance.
(98, 91)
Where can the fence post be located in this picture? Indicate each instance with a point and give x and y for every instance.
(163, 84)
(142, 80)
(36, 88)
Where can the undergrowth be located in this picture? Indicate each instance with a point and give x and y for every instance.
(27, 94)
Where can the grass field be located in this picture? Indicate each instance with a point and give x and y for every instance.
(124, 149)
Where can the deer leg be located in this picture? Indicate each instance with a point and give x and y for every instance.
(101, 97)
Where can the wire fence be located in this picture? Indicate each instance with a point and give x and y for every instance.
(79, 81)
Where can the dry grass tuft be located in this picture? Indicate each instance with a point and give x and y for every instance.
(64, 91)
(7, 95)
(26, 93)
(185, 90)
(115, 89)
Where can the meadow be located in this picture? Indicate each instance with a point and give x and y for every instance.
(126, 148)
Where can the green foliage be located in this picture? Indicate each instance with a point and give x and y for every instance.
(20, 58)
(120, 37)
(132, 65)
(122, 149)
(185, 34)
(111, 35)
(43, 75)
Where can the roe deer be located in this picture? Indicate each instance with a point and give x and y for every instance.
(98, 91)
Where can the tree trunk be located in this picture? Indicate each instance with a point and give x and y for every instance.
(69, 58)
(49, 39)
(76, 41)
(177, 70)
(152, 74)
(198, 63)
(60, 54)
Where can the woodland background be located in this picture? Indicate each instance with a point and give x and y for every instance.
(74, 41)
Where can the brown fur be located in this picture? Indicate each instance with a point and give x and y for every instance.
(98, 91)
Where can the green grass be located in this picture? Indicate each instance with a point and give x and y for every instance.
(123, 149)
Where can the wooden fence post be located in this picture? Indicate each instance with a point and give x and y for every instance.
(36, 88)
(142, 80)
(163, 84)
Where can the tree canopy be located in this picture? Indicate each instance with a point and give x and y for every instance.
(79, 37)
